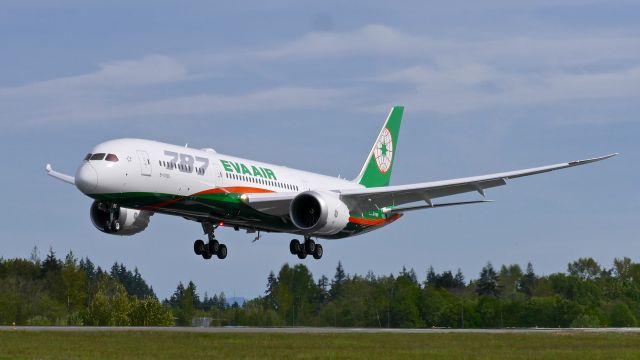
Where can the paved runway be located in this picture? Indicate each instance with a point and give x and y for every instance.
(306, 330)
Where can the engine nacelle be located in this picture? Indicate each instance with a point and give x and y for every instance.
(319, 213)
(129, 221)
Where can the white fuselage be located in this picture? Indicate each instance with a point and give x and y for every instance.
(145, 166)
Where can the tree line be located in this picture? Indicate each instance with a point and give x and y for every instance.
(586, 295)
(73, 291)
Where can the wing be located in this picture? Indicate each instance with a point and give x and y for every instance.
(60, 176)
(369, 199)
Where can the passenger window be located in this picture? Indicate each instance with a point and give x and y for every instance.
(98, 157)
(112, 158)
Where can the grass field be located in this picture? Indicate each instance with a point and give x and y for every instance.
(169, 345)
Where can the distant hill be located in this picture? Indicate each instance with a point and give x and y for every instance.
(237, 299)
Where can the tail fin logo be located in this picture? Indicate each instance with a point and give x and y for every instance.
(383, 151)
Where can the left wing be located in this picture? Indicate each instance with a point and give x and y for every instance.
(389, 197)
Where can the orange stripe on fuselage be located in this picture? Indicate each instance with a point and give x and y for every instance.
(235, 190)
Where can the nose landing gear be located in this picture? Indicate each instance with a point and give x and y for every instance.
(213, 247)
(111, 224)
(309, 247)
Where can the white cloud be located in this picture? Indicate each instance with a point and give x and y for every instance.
(473, 86)
(381, 40)
(371, 39)
(427, 74)
(150, 70)
(283, 98)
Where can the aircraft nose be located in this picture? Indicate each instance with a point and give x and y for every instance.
(87, 178)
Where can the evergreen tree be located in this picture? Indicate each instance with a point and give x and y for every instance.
(338, 281)
(322, 293)
(527, 283)
(222, 301)
(272, 283)
(431, 278)
(51, 264)
(193, 294)
(458, 281)
(487, 285)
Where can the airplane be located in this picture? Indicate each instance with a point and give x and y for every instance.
(132, 179)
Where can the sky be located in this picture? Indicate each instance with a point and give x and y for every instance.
(488, 86)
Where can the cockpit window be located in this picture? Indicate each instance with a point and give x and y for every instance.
(99, 156)
(86, 158)
(112, 158)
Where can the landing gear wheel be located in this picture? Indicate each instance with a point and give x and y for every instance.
(222, 252)
(317, 254)
(302, 254)
(214, 246)
(309, 246)
(294, 247)
(198, 247)
(206, 254)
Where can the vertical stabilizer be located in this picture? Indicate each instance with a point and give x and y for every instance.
(376, 171)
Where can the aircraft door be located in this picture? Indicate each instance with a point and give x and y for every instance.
(145, 163)
(218, 175)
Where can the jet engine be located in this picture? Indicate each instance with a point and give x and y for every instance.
(319, 213)
(112, 219)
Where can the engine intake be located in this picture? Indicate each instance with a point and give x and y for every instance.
(129, 221)
(319, 213)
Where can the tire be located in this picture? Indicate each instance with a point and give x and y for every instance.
(317, 254)
(206, 255)
(302, 255)
(309, 246)
(222, 252)
(294, 247)
(198, 247)
(214, 246)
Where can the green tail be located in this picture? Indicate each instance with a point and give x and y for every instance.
(376, 171)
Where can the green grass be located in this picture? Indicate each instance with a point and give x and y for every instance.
(168, 345)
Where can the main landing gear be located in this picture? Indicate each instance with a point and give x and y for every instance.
(213, 247)
(309, 247)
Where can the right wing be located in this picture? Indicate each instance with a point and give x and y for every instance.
(388, 198)
(370, 199)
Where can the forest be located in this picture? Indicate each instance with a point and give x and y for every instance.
(71, 291)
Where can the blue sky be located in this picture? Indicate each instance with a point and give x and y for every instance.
(488, 87)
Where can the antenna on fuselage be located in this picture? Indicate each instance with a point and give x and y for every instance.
(186, 145)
